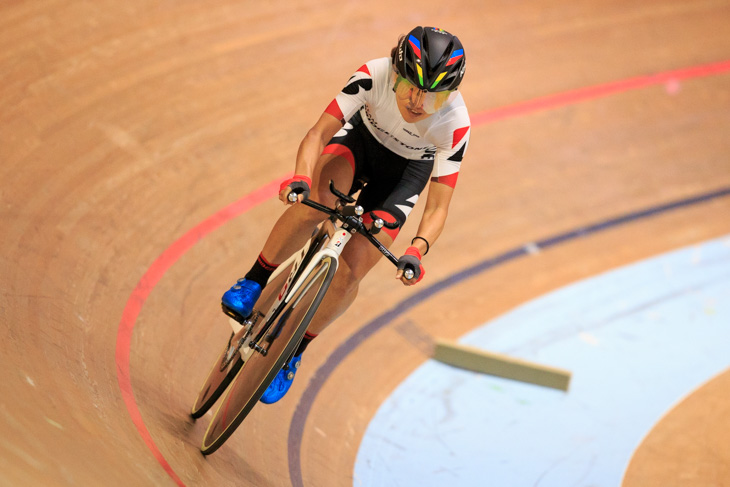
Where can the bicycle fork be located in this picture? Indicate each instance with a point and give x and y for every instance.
(338, 238)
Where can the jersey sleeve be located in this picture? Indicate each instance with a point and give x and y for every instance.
(353, 96)
(449, 154)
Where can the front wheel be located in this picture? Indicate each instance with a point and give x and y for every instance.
(259, 370)
(230, 360)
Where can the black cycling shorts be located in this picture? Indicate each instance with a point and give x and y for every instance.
(392, 183)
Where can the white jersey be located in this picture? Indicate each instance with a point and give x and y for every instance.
(442, 137)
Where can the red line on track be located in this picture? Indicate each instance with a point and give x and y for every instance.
(171, 255)
(598, 91)
(147, 284)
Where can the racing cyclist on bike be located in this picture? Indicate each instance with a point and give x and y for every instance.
(398, 123)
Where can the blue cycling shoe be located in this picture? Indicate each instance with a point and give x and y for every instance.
(282, 382)
(238, 301)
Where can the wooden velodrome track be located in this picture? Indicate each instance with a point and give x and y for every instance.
(126, 125)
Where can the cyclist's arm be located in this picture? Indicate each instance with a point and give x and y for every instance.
(314, 143)
(451, 144)
(311, 148)
(354, 95)
(431, 226)
(434, 215)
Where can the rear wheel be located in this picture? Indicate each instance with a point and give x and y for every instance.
(224, 369)
(259, 370)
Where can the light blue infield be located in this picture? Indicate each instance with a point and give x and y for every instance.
(638, 340)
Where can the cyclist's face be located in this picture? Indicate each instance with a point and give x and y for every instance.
(411, 106)
(415, 104)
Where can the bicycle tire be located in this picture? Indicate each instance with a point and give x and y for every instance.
(258, 371)
(216, 382)
(219, 379)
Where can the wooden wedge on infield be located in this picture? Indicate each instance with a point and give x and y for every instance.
(478, 360)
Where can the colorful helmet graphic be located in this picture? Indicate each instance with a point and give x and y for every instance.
(431, 59)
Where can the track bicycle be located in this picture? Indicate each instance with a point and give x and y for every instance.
(260, 345)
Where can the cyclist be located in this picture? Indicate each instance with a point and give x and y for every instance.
(397, 123)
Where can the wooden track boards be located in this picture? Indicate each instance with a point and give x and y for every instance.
(124, 125)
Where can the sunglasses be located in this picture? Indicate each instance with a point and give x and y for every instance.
(432, 101)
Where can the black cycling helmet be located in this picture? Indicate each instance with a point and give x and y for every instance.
(431, 59)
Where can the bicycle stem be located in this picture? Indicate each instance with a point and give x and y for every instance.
(351, 223)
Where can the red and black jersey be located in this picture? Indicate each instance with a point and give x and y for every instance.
(442, 137)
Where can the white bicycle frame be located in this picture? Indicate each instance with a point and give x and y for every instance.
(338, 239)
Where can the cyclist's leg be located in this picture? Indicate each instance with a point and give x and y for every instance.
(340, 163)
(392, 201)
(391, 193)
(355, 262)
(287, 236)
(296, 224)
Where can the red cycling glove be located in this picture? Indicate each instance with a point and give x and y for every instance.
(298, 184)
(412, 259)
